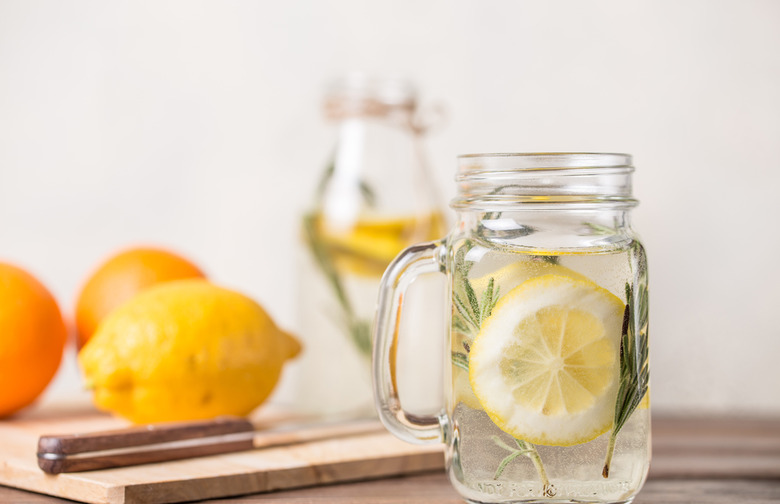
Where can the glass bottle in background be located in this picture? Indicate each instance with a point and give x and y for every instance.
(374, 198)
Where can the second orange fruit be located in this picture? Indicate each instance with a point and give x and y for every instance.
(120, 278)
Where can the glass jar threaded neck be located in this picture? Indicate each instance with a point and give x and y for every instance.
(540, 181)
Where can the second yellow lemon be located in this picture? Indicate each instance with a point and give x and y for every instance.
(185, 350)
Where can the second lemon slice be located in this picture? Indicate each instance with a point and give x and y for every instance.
(545, 364)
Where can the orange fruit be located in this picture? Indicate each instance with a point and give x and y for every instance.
(120, 278)
(32, 338)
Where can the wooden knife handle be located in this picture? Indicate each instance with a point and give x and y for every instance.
(143, 444)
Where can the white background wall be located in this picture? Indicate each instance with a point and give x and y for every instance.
(197, 125)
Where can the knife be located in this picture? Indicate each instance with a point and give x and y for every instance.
(163, 442)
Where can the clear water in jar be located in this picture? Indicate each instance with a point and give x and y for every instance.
(488, 464)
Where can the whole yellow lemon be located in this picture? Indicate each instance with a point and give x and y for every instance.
(185, 350)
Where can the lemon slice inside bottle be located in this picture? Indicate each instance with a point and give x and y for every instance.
(544, 366)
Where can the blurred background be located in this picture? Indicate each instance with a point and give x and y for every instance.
(197, 126)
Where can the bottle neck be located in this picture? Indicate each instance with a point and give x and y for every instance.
(362, 97)
(378, 170)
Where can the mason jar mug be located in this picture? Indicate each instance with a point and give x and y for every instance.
(546, 365)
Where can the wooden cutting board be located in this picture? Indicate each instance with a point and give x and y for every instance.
(357, 457)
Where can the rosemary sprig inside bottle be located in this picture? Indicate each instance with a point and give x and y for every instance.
(634, 370)
(358, 328)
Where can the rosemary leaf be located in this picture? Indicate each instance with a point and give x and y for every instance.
(465, 314)
(323, 258)
(369, 196)
(487, 301)
(461, 360)
(472, 297)
(501, 443)
(460, 326)
(493, 301)
(330, 169)
(360, 331)
(509, 458)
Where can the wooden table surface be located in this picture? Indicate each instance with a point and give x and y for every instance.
(695, 460)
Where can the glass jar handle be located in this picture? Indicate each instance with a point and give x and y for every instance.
(412, 262)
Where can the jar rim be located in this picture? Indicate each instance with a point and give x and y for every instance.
(544, 180)
(554, 153)
(542, 160)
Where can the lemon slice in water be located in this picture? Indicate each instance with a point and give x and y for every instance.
(545, 364)
(505, 279)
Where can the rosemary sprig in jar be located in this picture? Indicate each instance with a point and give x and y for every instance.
(469, 314)
(634, 368)
(528, 450)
